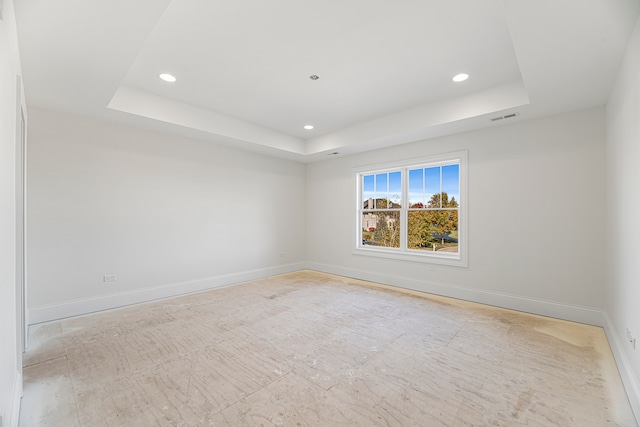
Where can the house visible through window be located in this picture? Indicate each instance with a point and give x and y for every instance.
(414, 211)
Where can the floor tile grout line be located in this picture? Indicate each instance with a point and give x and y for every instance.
(456, 334)
(40, 362)
(246, 396)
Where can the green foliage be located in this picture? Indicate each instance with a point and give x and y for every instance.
(387, 231)
(419, 229)
(446, 203)
(423, 224)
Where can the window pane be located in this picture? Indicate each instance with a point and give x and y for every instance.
(395, 189)
(450, 185)
(416, 188)
(381, 228)
(433, 230)
(382, 190)
(368, 194)
(432, 187)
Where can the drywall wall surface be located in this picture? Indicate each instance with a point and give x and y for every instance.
(10, 362)
(536, 191)
(155, 211)
(623, 218)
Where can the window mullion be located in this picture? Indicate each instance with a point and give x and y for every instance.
(440, 197)
(404, 200)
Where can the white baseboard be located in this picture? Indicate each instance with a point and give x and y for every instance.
(63, 310)
(624, 367)
(12, 412)
(573, 313)
(104, 302)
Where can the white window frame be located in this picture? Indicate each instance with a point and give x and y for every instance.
(459, 259)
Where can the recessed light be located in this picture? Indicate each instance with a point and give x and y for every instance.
(167, 77)
(460, 77)
(314, 77)
(308, 127)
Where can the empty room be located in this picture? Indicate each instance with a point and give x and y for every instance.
(295, 213)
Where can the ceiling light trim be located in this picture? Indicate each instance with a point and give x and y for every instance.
(458, 78)
(169, 78)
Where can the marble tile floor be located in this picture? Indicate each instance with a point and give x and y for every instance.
(311, 349)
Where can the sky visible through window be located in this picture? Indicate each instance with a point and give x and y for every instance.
(423, 184)
(386, 186)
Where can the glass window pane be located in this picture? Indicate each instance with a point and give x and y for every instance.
(421, 212)
(451, 185)
(395, 189)
(368, 183)
(432, 187)
(435, 231)
(416, 188)
(368, 194)
(382, 190)
(381, 228)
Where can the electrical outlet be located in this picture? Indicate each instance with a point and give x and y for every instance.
(109, 278)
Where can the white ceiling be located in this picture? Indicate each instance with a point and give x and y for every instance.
(385, 67)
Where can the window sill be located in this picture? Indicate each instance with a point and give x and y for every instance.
(427, 257)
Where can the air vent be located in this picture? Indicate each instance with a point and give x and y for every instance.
(508, 116)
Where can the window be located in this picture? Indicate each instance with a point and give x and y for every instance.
(414, 210)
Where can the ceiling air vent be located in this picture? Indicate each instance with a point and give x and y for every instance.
(508, 116)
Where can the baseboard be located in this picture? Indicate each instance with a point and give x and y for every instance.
(105, 302)
(78, 307)
(624, 367)
(12, 412)
(587, 315)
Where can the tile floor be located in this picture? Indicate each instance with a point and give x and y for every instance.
(310, 349)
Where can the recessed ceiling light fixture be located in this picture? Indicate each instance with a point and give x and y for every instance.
(308, 127)
(167, 77)
(314, 77)
(460, 77)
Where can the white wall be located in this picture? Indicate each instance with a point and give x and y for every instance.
(10, 360)
(623, 218)
(536, 210)
(166, 215)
